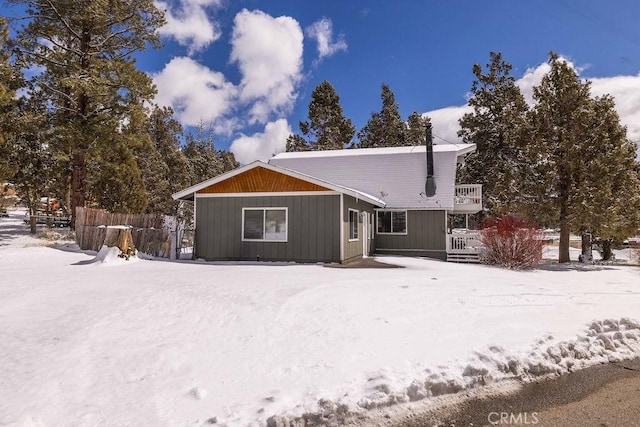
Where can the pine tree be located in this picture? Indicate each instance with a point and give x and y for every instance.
(416, 129)
(327, 128)
(386, 127)
(204, 160)
(115, 181)
(169, 167)
(89, 78)
(582, 166)
(10, 80)
(610, 183)
(370, 136)
(495, 126)
(33, 162)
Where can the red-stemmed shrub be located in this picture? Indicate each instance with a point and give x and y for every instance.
(511, 242)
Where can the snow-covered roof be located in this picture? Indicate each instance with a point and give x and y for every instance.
(188, 193)
(396, 175)
(459, 149)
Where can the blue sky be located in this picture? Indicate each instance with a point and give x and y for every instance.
(248, 67)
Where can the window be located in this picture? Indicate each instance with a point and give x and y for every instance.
(264, 224)
(392, 222)
(353, 225)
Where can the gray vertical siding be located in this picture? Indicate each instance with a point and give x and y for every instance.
(354, 249)
(426, 236)
(313, 233)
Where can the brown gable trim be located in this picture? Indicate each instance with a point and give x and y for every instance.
(261, 180)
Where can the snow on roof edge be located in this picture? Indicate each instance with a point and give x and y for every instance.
(460, 149)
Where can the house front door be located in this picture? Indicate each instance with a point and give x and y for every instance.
(366, 234)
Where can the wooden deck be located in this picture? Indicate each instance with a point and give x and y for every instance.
(464, 247)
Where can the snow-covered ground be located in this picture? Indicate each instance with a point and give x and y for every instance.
(92, 339)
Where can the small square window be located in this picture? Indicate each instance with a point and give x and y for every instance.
(353, 224)
(392, 222)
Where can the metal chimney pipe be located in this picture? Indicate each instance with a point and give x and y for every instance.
(430, 184)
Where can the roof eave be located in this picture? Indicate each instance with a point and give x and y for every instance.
(189, 193)
(183, 195)
(470, 148)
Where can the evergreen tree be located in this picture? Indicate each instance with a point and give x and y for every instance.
(370, 135)
(609, 186)
(386, 127)
(89, 78)
(327, 128)
(31, 158)
(416, 129)
(582, 166)
(204, 160)
(115, 181)
(152, 168)
(9, 82)
(169, 169)
(495, 126)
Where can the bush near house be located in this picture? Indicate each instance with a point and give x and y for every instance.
(511, 242)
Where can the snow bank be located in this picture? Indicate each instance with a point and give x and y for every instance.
(604, 341)
(111, 256)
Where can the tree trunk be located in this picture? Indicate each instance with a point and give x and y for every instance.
(67, 196)
(586, 253)
(79, 165)
(606, 250)
(563, 252)
(33, 221)
(77, 184)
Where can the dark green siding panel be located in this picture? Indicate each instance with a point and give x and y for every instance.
(354, 249)
(426, 236)
(313, 229)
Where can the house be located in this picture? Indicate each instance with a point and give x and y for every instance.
(334, 206)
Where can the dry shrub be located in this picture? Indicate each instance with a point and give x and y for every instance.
(511, 242)
(53, 235)
(50, 234)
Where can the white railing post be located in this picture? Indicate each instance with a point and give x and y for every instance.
(468, 242)
(468, 196)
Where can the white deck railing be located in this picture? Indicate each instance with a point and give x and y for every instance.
(465, 242)
(468, 198)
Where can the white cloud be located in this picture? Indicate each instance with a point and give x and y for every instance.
(445, 123)
(262, 145)
(189, 23)
(195, 92)
(532, 77)
(268, 52)
(322, 32)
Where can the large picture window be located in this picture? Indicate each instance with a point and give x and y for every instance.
(264, 224)
(353, 224)
(392, 222)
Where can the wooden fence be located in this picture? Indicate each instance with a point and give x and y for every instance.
(155, 235)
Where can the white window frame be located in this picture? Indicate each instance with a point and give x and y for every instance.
(357, 214)
(392, 233)
(264, 223)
